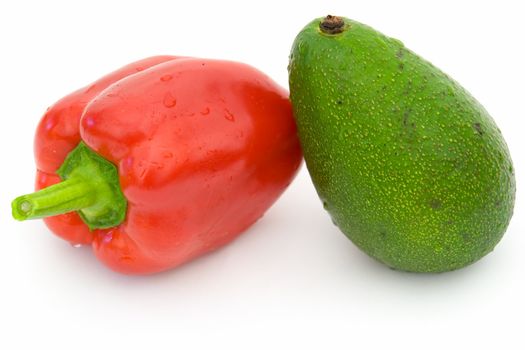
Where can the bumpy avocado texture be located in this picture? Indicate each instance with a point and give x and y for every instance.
(407, 163)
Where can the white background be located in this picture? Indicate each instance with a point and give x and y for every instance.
(292, 280)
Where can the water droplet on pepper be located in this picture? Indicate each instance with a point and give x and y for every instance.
(229, 116)
(169, 101)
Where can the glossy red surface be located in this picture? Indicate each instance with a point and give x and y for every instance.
(203, 148)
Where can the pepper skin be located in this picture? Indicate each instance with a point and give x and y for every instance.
(202, 147)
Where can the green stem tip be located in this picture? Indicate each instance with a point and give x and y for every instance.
(90, 187)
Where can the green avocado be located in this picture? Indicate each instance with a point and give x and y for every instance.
(407, 163)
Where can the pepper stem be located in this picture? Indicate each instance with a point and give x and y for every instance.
(90, 187)
(70, 195)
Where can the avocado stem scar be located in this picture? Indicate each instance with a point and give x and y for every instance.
(332, 25)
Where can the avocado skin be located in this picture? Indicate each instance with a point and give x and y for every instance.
(407, 163)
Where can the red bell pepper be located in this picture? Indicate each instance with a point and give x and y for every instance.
(162, 160)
